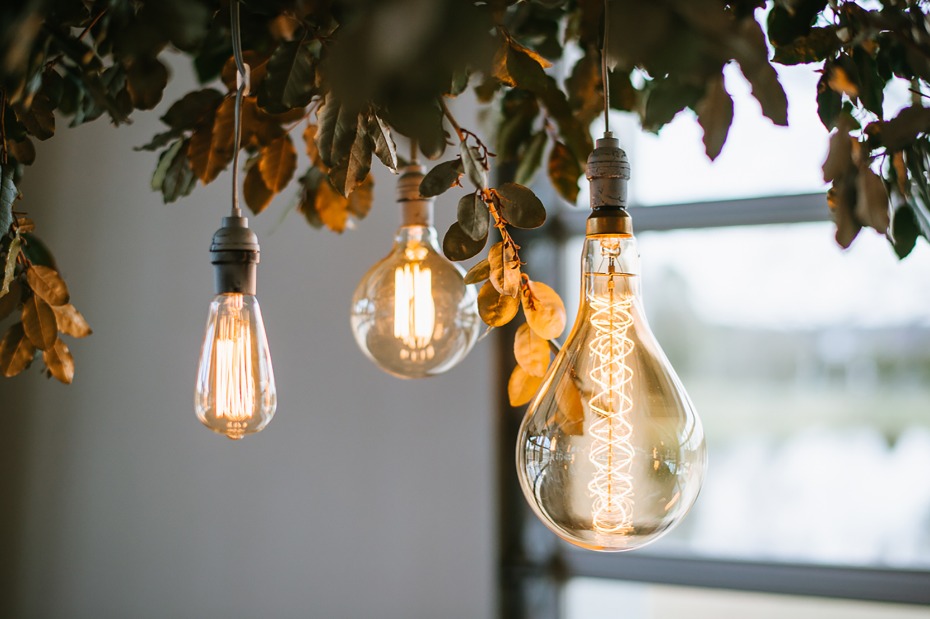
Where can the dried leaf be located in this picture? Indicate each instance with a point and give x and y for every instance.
(457, 245)
(384, 146)
(9, 269)
(531, 351)
(829, 103)
(494, 308)
(256, 193)
(192, 109)
(841, 199)
(359, 203)
(16, 351)
(754, 63)
(522, 387)
(39, 322)
(505, 273)
(544, 310)
(59, 362)
(817, 45)
(900, 174)
(211, 145)
(478, 273)
(23, 151)
(872, 201)
(71, 321)
(290, 80)
(840, 78)
(277, 163)
(310, 141)
(331, 207)
(442, 177)
(520, 206)
(715, 115)
(473, 216)
(564, 171)
(47, 283)
(359, 157)
(839, 160)
(10, 300)
(146, 79)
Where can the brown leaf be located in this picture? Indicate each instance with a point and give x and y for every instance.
(505, 269)
(531, 351)
(715, 115)
(16, 351)
(310, 141)
(522, 387)
(494, 308)
(839, 159)
(331, 206)
(359, 163)
(478, 273)
(10, 301)
(277, 163)
(47, 283)
(59, 362)
(39, 322)
(256, 193)
(359, 203)
(544, 310)
(900, 170)
(872, 201)
(564, 171)
(71, 322)
(211, 145)
(840, 199)
(9, 269)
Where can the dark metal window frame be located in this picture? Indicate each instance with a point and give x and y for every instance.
(533, 565)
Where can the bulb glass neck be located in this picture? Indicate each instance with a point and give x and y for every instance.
(611, 262)
(415, 209)
(416, 235)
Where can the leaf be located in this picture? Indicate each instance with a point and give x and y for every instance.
(192, 109)
(505, 273)
(47, 284)
(872, 201)
(842, 76)
(9, 269)
(179, 179)
(59, 362)
(531, 159)
(421, 119)
(211, 146)
(359, 203)
(384, 146)
(146, 79)
(840, 198)
(817, 45)
(290, 81)
(902, 130)
(829, 103)
(905, 230)
(531, 351)
(277, 163)
(70, 321)
(584, 87)
(564, 171)
(665, 97)
(473, 216)
(359, 157)
(10, 300)
(521, 208)
(457, 245)
(309, 136)
(39, 322)
(715, 115)
(39, 119)
(22, 151)
(475, 168)
(331, 207)
(442, 177)
(496, 309)
(8, 195)
(521, 387)
(16, 351)
(544, 310)
(839, 159)
(478, 273)
(754, 63)
(785, 25)
(257, 195)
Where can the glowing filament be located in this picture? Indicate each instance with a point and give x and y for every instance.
(414, 310)
(235, 384)
(612, 447)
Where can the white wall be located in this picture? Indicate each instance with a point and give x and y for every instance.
(366, 497)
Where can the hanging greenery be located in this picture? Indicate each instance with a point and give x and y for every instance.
(349, 76)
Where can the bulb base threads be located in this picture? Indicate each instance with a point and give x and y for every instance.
(608, 172)
(416, 210)
(234, 253)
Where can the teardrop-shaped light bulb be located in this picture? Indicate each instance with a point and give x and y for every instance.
(611, 453)
(412, 313)
(235, 393)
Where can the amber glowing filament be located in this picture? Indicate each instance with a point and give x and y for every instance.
(235, 385)
(612, 449)
(414, 310)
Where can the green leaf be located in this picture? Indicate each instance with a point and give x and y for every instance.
(521, 208)
(442, 177)
(277, 163)
(457, 245)
(829, 103)
(192, 109)
(179, 179)
(384, 146)
(532, 158)
(291, 77)
(564, 171)
(146, 79)
(715, 115)
(8, 195)
(817, 45)
(473, 216)
(475, 168)
(905, 230)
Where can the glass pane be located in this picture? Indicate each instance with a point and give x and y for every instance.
(810, 368)
(588, 598)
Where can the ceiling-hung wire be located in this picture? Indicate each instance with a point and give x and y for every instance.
(242, 89)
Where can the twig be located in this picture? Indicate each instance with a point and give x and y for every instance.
(51, 63)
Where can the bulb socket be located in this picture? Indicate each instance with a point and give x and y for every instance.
(608, 172)
(234, 254)
(415, 209)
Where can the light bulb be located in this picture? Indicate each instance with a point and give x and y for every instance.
(412, 313)
(611, 453)
(235, 393)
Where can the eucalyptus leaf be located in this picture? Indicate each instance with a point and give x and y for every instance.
(521, 208)
(457, 245)
(496, 309)
(442, 177)
(478, 273)
(192, 109)
(473, 216)
(522, 386)
(475, 168)
(71, 322)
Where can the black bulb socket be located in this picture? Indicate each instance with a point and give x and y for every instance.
(234, 254)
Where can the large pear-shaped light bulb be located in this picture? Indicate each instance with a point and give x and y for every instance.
(235, 393)
(611, 453)
(412, 313)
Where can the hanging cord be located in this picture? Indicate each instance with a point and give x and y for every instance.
(604, 72)
(242, 89)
